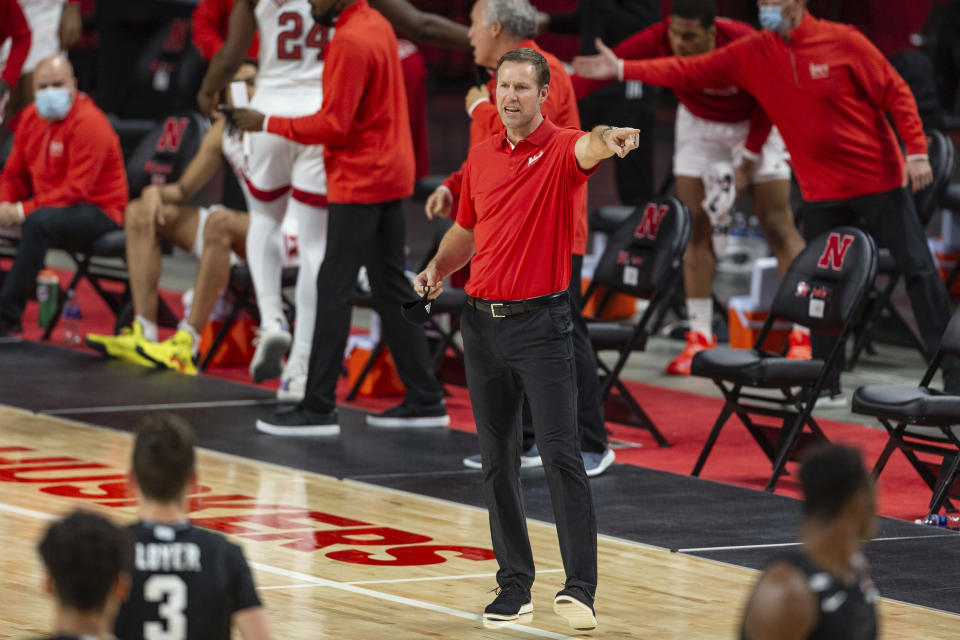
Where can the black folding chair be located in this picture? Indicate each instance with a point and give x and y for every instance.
(823, 289)
(643, 259)
(942, 157)
(920, 419)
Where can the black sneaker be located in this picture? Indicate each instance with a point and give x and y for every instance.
(300, 421)
(576, 605)
(511, 602)
(412, 415)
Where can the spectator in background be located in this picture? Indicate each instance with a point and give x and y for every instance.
(363, 125)
(823, 589)
(828, 90)
(88, 561)
(54, 26)
(496, 27)
(629, 103)
(717, 126)
(13, 25)
(205, 574)
(64, 184)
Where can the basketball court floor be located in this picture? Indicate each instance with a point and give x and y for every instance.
(382, 532)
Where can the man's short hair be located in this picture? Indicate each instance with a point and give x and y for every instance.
(703, 10)
(528, 56)
(85, 554)
(830, 476)
(517, 17)
(163, 456)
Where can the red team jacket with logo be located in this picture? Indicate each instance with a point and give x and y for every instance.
(60, 164)
(826, 90)
(727, 104)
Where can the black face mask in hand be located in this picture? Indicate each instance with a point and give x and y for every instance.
(418, 311)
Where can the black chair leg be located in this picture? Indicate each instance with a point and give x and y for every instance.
(787, 441)
(725, 414)
(893, 443)
(948, 474)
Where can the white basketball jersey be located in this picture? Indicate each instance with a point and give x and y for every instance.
(292, 45)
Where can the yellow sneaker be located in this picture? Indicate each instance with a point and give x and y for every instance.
(175, 353)
(123, 346)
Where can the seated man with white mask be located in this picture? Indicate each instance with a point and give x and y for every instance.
(64, 184)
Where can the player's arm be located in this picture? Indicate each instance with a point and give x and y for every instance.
(455, 250)
(642, 45)
(781, 606)
(223, 66)
(888, 91)
(718, 68)
(423, 26)
(252, 623)
(602, 142)
(202, 167)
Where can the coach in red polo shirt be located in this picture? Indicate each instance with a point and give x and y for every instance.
(368, 153)
(516, 218)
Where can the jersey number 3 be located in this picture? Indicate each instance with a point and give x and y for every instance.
(291, 28)
(171, 593)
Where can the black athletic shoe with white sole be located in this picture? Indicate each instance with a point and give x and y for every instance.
(300, 421)
(576, 606)
(511, 602)
(412, 415)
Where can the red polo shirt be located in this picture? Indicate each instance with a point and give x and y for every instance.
(363, 124)
(827, 90)
(522, 204)
(560, 107)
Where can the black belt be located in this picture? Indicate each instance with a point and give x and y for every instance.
(513, 307)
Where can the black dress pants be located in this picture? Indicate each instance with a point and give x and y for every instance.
(371, 235)
(891, 218)
(590, 416)
(72, 228)
(530, 354)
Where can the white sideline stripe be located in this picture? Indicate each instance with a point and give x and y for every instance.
(395, 580)
(309, 580)
(410, 602)
(10, 339)
(796, 544)
(153, 407)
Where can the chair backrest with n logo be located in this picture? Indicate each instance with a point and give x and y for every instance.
(165, 152)
(646, 251)
(825, 285)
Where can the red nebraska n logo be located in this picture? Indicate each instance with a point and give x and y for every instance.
(835, 252)
(652, 217)
(172, 134)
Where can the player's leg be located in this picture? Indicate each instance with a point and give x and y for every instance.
(694, 152)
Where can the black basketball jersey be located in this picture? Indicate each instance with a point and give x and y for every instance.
(846, 611)
(187, 583)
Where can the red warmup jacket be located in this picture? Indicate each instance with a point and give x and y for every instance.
(560, 108)
(364, 125)
(827, 90)
(209, 28)
(14, 25)
(60, 164)
(728, 104)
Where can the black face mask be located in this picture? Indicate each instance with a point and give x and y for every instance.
(417, 311)
(328, 17)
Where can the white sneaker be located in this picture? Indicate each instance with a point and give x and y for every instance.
(293, 384)
(272, 343)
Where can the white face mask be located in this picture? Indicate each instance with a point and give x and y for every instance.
(771, 17)
(53, 103)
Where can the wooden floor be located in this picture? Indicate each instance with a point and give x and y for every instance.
(347, 560)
